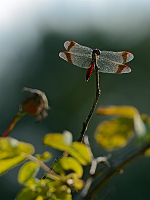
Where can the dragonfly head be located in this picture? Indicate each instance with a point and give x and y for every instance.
(96, 51)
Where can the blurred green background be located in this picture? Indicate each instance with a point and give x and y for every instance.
(31, 37)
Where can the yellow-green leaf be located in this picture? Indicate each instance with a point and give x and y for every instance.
(81, 152)
(44, 157)
(114, 133)
(73, 179)
(40, 198)
(124, 111)
(10, 162)
(25, 148)
(32, 183)
(70, 163)
(56, 141)
(28, 170)
(147, 152)
(57, 167)
(26, 194)
(10, 147)
(12, 152)
(78, 183)
(145, 118)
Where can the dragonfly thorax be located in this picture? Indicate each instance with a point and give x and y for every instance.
(95, 53)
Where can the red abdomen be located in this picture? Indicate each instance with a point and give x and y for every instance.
(89, 71)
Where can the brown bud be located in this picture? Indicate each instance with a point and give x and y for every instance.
(35, 103)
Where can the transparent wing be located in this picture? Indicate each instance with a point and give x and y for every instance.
(80, 60)
(107, 66)
(119, 57)
(74, 47)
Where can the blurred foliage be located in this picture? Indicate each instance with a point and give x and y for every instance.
(59, 181)
(12, 153)
(75, 149)
(64, 177)
(44, 157)
(117, 132)
(114, 133)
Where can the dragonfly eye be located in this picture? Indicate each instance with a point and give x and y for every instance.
(96, 51)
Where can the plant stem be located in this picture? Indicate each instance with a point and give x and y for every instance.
(52, 174)
(13, 123)
(85, 124)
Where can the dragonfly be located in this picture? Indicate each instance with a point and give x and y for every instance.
(106, 61)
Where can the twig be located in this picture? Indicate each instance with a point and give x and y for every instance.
(96, 161)
(92, 170)
(111, 171)
(42, 165)
(13, 123)
(49, 171)
(85, 124)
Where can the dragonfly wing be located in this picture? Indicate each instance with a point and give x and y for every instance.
(119, 57)
(108, 66)
(74, 47)
(80, 60)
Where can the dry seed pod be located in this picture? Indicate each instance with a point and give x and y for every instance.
(35, 103)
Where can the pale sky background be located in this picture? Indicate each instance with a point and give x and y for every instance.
(22, 22)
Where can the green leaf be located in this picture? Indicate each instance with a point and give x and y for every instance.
(56, 141)
(33, 183)
(123, 111)
(39, 198)
(147, 152)
(57, 167)
(77, 183)
(28, 170)
(25, 148)
(78, 150)
(44, 157)
(81, 152)
(127, 112)
(70, 163)
(114, 133)
(12, 152)
(26, 194)
(10, 147)
(9, 163)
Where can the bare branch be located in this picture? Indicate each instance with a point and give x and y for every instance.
(108, 173)
(86, 123)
